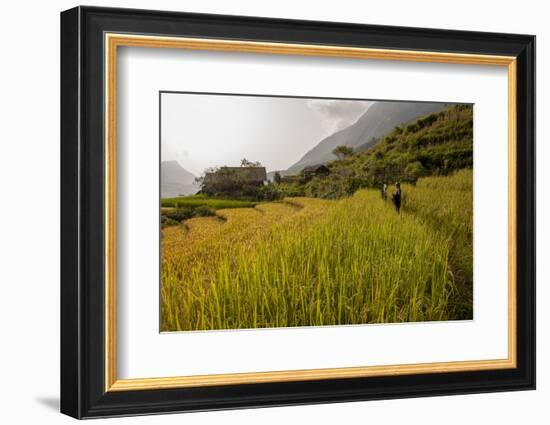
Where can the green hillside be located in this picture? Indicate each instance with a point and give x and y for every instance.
(436, 144)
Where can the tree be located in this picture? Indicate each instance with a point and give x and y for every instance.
(277, 177)
(222, 180)
(342, 151)
(414, 170)
(246, 163)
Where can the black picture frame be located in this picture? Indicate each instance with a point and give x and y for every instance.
(83, 392)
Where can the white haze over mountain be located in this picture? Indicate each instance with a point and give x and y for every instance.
(338, 114)
(201, 131)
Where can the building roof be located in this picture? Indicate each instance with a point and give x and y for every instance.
(253, 174)
(315, 167)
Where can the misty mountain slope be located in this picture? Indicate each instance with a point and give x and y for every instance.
(175, 180)
(378, 120)
(435, 144)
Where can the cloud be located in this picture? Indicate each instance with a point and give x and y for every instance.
(338, 114)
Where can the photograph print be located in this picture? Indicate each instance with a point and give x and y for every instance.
(300, 211)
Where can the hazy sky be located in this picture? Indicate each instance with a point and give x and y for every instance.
(201, 131)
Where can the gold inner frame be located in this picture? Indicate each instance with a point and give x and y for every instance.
(113, 41)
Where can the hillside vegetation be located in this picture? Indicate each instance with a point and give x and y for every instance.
(305, 262)
(436, 144)
(378, 120)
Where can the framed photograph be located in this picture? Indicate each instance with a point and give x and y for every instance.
(261, 212)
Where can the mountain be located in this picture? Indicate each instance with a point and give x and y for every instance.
(378, 120)
(175, 180)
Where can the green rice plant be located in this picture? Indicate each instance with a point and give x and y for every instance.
(446, 205)
(196, 201)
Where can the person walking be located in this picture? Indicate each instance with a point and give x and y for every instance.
(385, 191)
(396, 198)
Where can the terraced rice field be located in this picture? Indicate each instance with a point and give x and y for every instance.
(312, 262)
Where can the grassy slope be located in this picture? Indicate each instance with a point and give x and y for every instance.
(319, 262)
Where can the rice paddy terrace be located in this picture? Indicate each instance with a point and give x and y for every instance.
(313, 262)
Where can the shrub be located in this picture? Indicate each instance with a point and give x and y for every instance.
(204, 211)
(179, 214)
(167, 221)
(414, 170)
(285, 190)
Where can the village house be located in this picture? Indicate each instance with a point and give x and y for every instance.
(227, 179)
(317, 170)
